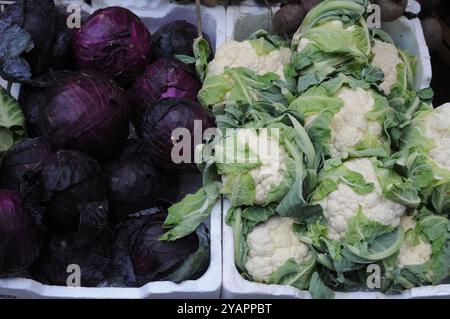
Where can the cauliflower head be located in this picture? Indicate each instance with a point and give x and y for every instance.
(247, 72)
(413, 254)
(271, 245)
(343, 203)
(426, 156)
(350, 125)
(386, 57)
(235, 54)
(254, 167)
(343, 120)
(424, 255)
(437, 129)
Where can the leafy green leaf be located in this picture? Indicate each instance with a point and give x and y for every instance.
(12, 121)
(318, 290)
(290, 273)
(187, 215)
(202, 52)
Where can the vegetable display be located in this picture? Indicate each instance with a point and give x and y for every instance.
(353, 172)
(86, 165)
(330, 157)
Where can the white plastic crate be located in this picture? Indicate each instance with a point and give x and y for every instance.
(209, 285)
(243, 21)
(234, 286)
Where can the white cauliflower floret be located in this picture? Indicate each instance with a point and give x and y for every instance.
(437, 128)
(386, 57)
(273, 158)
(350, 125)
(410, 255)
(242, 54)
(271, 244)
(342, 204)
(407, 222)
(414, 255)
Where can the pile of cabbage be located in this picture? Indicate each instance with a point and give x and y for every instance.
(333, 163)
(86, 173)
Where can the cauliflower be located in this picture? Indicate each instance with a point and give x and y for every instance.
(271, 244)
(386, 57)
(340, 205)
(411, 255)
(342, 119)
(235, 54)
(437, 129)
(267, 158)
(246, 72)
(424, 255)
(273, 159)
(350, 125)
(425, 145)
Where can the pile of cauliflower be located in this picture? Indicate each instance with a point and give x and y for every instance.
(361, 172)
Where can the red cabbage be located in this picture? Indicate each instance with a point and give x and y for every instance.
(68, 194)
(175, 38)
(115, 41)
(140, 257)
(22, 158)
(94, 261)
(163, 79)
(20, 240)
(162, 119)
(86, 111)
(135, 183)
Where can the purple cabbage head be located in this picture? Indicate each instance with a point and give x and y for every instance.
(140, 257)
(135, 182)
(20, 240)
(68, 194)
(86, 111)
(114, 41)
(175, 38)
(159, 124)
(36, 38)
(33, 97)
(93, 259)
(162, 79)
(23, 158)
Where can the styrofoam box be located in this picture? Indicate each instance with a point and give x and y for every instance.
(408, 35)
(209, 285)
